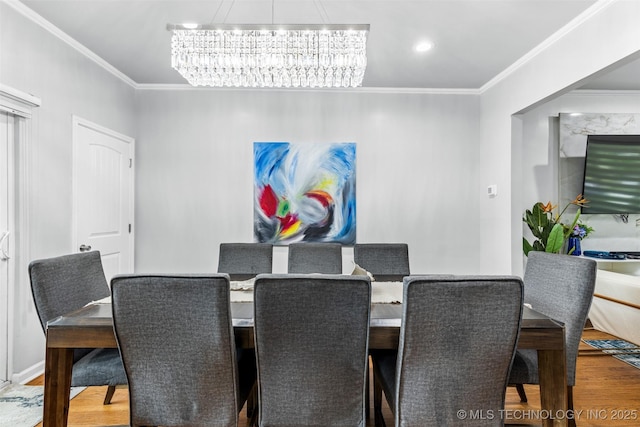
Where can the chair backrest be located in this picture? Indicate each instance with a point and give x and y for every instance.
(66, 283)
(175, 335)
(457, 342)
(242, 261)
(311, 338)
(561, 287)
(387, 262)
(324, 258)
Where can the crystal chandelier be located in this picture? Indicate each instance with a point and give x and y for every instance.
(270, 55)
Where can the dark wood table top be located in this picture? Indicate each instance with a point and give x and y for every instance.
(93, 325)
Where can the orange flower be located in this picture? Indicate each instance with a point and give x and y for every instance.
(579, 200)
(548, 207)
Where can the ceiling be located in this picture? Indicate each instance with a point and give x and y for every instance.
(475, 40)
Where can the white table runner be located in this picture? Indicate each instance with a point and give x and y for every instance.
(381, 293)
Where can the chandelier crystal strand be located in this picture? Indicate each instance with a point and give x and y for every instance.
(270, 56)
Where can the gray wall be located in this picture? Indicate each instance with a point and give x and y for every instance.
(416, 162)
(34, 61)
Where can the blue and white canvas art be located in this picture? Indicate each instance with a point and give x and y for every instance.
(304, 192)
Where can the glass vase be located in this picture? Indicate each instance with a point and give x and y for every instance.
(574, 243)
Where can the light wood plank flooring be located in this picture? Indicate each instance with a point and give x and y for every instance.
(606, 388)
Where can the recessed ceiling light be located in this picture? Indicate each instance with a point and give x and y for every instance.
(190, 25)
(423, 46)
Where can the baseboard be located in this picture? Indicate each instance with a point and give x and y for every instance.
(28, 374)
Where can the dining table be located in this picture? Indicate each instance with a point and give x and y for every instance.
(92, 327)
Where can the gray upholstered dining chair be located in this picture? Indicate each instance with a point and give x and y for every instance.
(313, 257)
(311, 338)
(177, 342)
(242, 261)
(457, 341)
(387, 262)
(67, 283)
(561, 287)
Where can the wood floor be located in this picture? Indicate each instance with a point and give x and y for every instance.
(607, 391)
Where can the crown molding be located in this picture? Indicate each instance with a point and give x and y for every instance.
(39, 20)
(572, 25)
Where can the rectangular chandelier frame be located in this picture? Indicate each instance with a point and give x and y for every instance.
(255, 55)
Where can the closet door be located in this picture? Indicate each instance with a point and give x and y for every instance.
(103, 195)
(6, 206)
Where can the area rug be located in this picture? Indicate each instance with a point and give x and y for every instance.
(21, 405)
(620, 349)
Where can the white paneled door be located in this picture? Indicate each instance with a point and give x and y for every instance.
(103, 195)
(6, 138)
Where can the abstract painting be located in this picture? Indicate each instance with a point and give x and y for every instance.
(304, 192)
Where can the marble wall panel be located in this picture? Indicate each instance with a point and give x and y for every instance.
(575, 127)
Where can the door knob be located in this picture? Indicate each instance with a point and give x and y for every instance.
(85, 248)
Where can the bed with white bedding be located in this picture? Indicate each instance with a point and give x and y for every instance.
(616, 305)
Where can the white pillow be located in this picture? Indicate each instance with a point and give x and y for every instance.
(359, 271)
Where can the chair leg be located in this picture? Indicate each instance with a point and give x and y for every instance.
(377, 404)
(110, 390)
(367, 408)
(253, 419)
(252, 406)
(572, 421)
(521, 392)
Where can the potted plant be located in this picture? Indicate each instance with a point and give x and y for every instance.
(548, 229)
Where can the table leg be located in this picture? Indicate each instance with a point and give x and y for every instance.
(553, 386)
(57, 385)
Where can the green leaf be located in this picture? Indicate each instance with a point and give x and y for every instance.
(526, 246)
(573, 224)
(556, 239)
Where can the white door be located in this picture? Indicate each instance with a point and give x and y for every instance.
(6, 132)
(103, 195)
